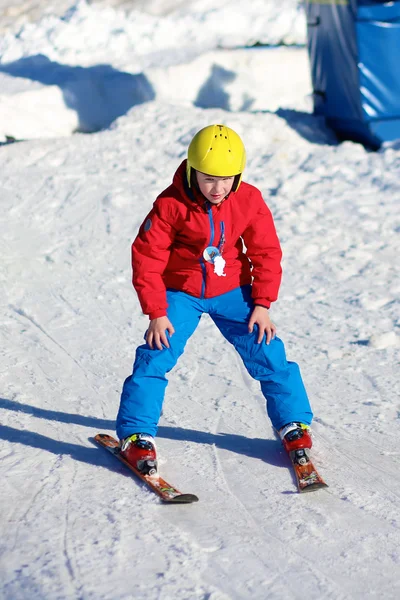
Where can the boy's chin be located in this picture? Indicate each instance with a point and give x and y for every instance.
(213, 201)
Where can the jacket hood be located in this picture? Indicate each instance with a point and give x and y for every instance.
(179, 180)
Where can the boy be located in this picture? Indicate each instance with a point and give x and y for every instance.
(208, 245)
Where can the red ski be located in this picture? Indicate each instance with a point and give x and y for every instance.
(307, 476)
(166, 491)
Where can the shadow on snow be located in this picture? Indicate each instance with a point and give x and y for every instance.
(99, 94)
(212, 93)
(309, 126)
(268, 450)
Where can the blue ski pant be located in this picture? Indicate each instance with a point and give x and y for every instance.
(281, 383)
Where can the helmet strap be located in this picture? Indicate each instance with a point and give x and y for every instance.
(236, 182)
(194, 184)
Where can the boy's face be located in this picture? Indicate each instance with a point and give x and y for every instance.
(215, 189)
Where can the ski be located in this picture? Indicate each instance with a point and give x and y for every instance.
(167, 492)
(307, 477)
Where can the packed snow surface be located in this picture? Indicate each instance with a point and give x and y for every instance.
(74, 523)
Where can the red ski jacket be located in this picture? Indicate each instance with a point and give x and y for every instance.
(168, 250)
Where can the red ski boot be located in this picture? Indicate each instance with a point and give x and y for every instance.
(295, 436)
(139, 450)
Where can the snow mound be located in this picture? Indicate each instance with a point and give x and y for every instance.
(41, 98)
(104, 61)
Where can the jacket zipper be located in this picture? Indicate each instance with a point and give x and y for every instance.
(202, 261)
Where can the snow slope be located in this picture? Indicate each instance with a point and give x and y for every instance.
(74, 524)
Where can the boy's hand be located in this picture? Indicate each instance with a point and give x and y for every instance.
(156, 333)
(260, 317)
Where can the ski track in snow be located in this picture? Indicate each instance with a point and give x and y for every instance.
(75, 524)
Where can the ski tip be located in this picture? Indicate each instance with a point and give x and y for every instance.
(313, 487)
(181, 499)
(102, 436)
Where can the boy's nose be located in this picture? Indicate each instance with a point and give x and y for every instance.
(218, 187)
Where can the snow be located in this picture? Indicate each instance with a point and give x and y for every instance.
(74, 523)
(81, 71)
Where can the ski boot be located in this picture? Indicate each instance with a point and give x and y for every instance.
(295, 436)
(139, 450)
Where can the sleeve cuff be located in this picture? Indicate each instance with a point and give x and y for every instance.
(158, 313)
(263, 303)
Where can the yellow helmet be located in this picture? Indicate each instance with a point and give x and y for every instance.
(217, 150)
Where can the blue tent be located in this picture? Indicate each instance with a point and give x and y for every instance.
(354, 50)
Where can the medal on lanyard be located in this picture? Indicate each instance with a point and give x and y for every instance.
(212, 255)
